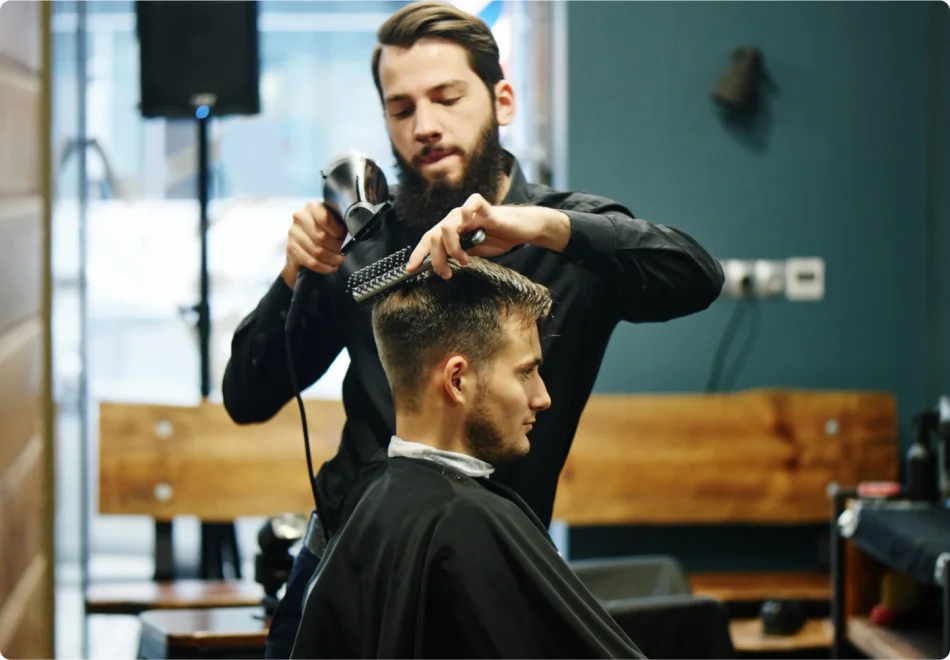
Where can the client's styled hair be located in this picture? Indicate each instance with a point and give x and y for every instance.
(418, 325)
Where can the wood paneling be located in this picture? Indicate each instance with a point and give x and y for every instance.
(21, 268)
(761, 456)
(21, 388)
(20, 41)
(166, 461)
(22, 512)
(21, 138)
(26, 617)
(26, 489)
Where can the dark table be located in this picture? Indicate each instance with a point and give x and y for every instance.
(231, 632)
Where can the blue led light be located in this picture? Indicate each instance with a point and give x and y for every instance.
(202, 112)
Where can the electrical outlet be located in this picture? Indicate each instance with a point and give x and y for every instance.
(805, 278)
(768, 280)
(740, 275)
(796, 279)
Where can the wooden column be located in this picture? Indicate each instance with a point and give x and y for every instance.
(26, 486)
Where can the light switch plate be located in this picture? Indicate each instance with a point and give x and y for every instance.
(805, 278)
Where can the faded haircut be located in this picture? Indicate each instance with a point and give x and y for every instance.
(418, 325)
(440, 20)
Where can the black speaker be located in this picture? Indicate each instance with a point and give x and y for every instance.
(198, 53)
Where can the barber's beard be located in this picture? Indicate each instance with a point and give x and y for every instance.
(484, 439)
(422, 204)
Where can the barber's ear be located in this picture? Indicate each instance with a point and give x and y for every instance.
(458, 380)
(504, 102)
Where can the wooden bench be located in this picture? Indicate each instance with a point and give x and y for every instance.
(756, 457)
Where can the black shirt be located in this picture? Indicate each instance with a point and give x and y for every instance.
(614, 268)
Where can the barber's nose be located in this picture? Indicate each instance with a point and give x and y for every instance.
(426, 128)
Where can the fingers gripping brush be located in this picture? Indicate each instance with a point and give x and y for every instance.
(390, 272)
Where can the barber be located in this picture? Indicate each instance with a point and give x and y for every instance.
(444, 98)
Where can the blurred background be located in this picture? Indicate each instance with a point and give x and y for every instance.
(847, 162)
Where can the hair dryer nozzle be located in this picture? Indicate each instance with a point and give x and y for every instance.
(354, 190)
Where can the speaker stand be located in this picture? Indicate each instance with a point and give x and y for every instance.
(204, 307)
(219, 548)
(219, 551)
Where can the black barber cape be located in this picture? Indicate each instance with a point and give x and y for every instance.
(429, 562)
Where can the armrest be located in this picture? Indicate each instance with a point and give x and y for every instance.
(680, 626)
(632, 577)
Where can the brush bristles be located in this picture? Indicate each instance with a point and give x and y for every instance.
(384, 274)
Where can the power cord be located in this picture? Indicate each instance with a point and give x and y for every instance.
(288, 348)
(729, 379)
(716, 381)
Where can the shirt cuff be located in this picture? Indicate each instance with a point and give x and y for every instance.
(593, 237)
(276, 302)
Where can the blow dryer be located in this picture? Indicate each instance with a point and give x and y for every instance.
(356, 194)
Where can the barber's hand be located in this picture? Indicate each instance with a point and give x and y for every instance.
(313, 241)
(505, 228)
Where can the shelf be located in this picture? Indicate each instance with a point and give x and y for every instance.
(877, 642)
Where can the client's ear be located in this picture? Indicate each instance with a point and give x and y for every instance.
(459, 380)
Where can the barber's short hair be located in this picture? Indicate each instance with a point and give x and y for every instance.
(420, 324)
(440, 20)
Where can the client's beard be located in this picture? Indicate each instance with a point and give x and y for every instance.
(484, 440)
(422, 204)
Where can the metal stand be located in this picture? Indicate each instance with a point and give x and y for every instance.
(204, 308)
(946, 612)
(219, 547)
(164, 552)
(839, 617)
(85, 500)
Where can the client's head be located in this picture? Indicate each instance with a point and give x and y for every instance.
(462, 358)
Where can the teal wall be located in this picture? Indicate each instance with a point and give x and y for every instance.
(940, 216)
(844, 165)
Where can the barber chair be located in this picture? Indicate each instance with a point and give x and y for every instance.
(651, 600)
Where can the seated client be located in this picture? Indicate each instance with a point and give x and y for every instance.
(432, 558)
